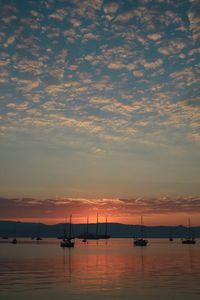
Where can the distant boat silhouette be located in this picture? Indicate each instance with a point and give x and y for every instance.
(38, 238)
(170, 236)
(88, 235)
(189, 239)
(68, 239)
(105, 235)
(14, 241)
(141, 241)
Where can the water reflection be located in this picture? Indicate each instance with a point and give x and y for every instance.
(67, 265)
(103, 267)
(190, 257)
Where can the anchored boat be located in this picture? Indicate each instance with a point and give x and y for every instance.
(141, 241)
(68, 240)
(190, 239)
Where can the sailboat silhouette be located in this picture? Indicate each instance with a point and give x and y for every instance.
(105, 235)
(89, 235)
(38, 238)
(189, 239)
(140, 241)
(68, 238)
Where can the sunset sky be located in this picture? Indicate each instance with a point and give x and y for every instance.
(99, 110)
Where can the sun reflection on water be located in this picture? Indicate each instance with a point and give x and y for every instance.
(110, 267)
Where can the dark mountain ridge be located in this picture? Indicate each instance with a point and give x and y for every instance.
(116, 230)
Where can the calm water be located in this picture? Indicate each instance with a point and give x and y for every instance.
(99, 270)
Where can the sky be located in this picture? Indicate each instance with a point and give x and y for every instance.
(99, 110)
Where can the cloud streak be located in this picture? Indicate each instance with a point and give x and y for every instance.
(37, 208)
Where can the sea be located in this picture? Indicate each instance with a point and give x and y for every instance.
(103, 269)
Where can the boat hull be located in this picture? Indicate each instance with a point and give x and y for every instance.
(88, 237)
(140, 242)
(188, 242)
(67, 244)
(104, 236)
(14, 241)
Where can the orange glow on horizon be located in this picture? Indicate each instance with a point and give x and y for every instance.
(148, 220)
(155, 211)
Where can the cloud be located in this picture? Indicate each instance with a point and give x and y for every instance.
(12, 114)
(31, 66)
(54, 88)
(9, 8)
(52, 105)
(47, 208)
(186, 75)
(25, 85)
(88, 69)
(4, 62)
(86, 8)
(125, 17)
(153, 64)
(21, 106)
(172, 47)
(3, 80)
(34, 13)
(71, 35)
(75, 22)
(194, 51)
(89, 36)
(138, 73)
(154, 36)
(9, 41)
(30, 22)
(99, 151)
(59, 14)
(8, 20)
(111, 7)
(115, 65)
(194, 19)
(61, 57)
(116, 107)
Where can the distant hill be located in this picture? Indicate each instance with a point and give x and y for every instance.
(116, 230)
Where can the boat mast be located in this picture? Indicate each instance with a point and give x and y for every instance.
(189, 229)
(87, 225)
(142, 228)
(38, 233)
(70, 227)
(97, 226)
(65, 231)
(106, 227)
